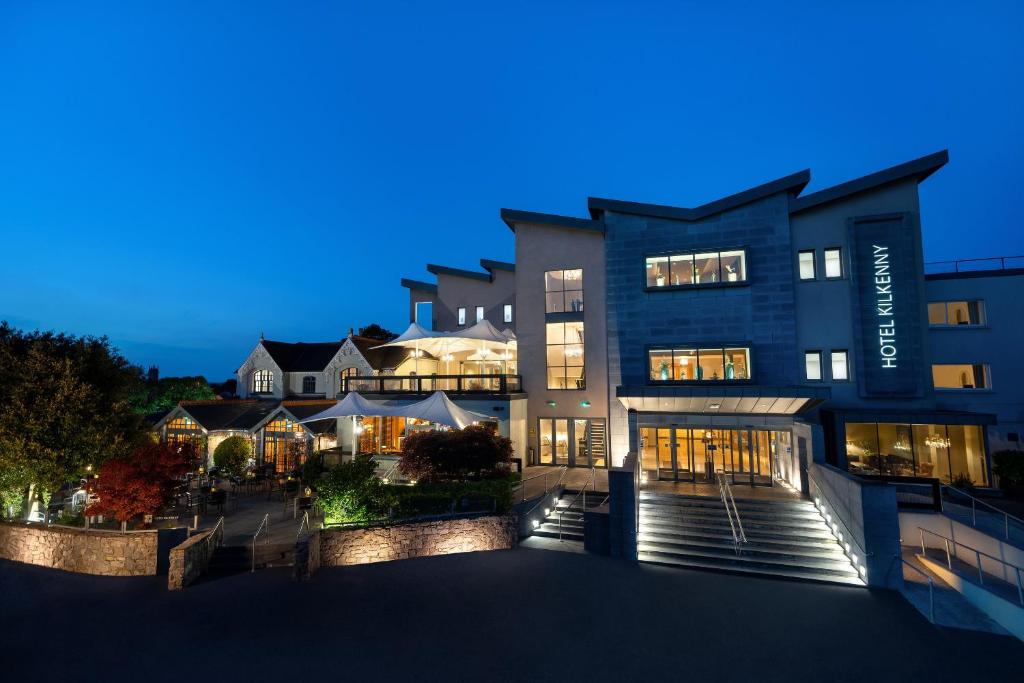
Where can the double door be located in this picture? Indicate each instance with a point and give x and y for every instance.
(698, 455)
(576, 442)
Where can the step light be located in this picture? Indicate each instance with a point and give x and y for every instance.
(535, 523)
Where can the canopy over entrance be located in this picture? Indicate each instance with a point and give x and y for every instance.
(755, 399)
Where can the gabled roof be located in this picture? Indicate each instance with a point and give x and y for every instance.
(420, 286)
(792, 184)
(389, 357)
(301, 356)
(241, 415)
(457, 272)
(489, 265)
(918, 169)
(300, 410)
(512, 217)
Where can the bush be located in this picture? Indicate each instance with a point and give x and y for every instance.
(141, 483)
(232, 454)
(1009, 467)
(435, 498)
(351, 492)
(471, 454)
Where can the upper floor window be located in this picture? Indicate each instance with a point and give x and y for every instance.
(565, 355)
(807, 268)
(812, 366)
(309, 384)
(262, 382)
(840, 366)
(833, 263)
(696, 365)
(966, 376)
(684, 270)
(462, 316)
(563, 291)
(507, 313)
(942, 313)
(479, 313)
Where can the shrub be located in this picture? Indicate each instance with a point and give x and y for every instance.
(351, 492)
(439, 497)
(473, 453)
(141, 483)
(1009, 467)
(232, 454)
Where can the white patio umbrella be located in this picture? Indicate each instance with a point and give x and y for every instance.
(352, 406)
(439, 408)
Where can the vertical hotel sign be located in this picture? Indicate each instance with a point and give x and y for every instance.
(887, 298)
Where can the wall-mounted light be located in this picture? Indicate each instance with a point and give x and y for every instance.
(584, 404)
(552, 404)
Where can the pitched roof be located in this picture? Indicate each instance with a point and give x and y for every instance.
(419, 285)
(918, 168)
(304, 409)
(457, 272)
(792, 184)
(301, 356)
(488, 264)
(385, 358)
(224, 415)
(513, 217)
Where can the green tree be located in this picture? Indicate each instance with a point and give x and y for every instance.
(65, 407)
(166, 393)
(375, 331)
(232, 454)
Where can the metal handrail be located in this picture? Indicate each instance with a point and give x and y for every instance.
(582, 492)
(736, 511)
(522, 482)
(561, 476)
(728, 513)
(264, 523)
(931, 588)
(218, 526)
(974, 510)
(978, 555)
(303, 523)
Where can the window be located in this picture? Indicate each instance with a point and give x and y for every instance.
(812, 365)
(574, 442)
(974, 376)
(479, 313)
(309, 384)
(683, 270)
(462, 316)
(565, 356)
(807, 271)
(696, 365)
(947, 452)
(948, 313)
(507, 313)
(262, 382)
(833, 263)
(563, 291)
(840, 366)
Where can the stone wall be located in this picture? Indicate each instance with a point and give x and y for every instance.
(189, 560)
(106, 553)
(419, 539)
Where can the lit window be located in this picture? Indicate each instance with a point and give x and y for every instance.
(309, 384)
(479, 313)
(966, 376)
(462, 316)
(563, 291)
(262, 382)
(833, 262)
(692, 365)
(807, 271)
(812, 365)
(840, 367)
(680, 270)
(942, 313)
(565, 355)
(507, 317)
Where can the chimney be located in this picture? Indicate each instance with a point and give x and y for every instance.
(350, 331)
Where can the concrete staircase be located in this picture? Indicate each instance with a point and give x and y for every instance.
(784, 538)
(570, 509)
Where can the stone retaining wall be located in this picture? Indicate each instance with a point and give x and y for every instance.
(106, 553)
(189, 560)
(419, 539)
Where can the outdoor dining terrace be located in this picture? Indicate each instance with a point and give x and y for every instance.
(492, 384)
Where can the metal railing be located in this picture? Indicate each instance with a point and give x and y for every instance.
(583, 492)
(544, 496)
(947, 542)
(304, 524)
(522, 482)
(265, 524)
(1007, 517)
(931, 588)
(970, 265)
(737, 537)
(215, 537)
(427, 384)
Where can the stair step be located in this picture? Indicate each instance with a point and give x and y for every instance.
(548, 530)
(700, 563)
(729, 557)
(754, 517)
(694, 500)
(782, 540)
(749, 526)
(752, 549)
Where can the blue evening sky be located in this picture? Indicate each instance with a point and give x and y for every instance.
(182, 176)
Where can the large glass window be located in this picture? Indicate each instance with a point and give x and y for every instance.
(563, 291)
(565, 355)
(965, 376)
(952, 453)
(943, 313)
(806, 259)
(680, 270)
(706, 364)
(262, 382)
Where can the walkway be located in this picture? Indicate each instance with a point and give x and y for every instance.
(951, 608)
(476, 617)
(243, 516)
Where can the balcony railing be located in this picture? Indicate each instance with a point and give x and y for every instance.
(427, 384)
(970, 265)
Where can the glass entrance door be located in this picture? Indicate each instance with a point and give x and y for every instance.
(698, 455)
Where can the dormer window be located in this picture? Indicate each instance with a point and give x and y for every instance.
(263, 382)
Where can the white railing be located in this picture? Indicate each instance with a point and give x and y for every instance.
(738, 536)
(931, 589)
(975, 502)
(949, 542)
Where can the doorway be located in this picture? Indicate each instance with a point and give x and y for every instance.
(674, 453)
(576, 442)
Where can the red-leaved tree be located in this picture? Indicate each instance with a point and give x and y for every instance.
(141, 483)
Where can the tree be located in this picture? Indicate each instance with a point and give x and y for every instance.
(351, 492)
(142, 483)
(473, 453)
(65, 406)
(232, 454)
(167, 392)
(375, 331)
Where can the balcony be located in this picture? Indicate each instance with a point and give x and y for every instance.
(486, 385)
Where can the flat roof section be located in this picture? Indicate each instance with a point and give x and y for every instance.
(721, 400)
(419, 285)
(513, 217)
